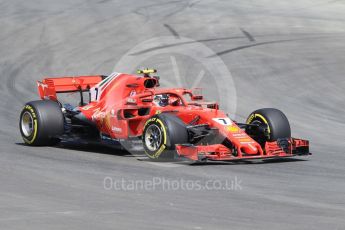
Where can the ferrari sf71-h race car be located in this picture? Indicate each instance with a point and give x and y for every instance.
(132, 111)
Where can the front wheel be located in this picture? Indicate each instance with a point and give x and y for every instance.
(161, 133)
(41, 122)
(268, 124)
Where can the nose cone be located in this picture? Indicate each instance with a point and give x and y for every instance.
(249, 149)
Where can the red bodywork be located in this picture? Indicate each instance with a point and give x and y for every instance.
(120, 104)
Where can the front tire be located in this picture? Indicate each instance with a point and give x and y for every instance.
(271, 123)
(161, 133)
(41, 123)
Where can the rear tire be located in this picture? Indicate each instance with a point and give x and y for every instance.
(161, 133)
(273, 124)
(41, 123)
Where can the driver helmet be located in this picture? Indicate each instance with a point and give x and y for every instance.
(163, 100)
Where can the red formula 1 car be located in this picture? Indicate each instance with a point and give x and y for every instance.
(175, 123)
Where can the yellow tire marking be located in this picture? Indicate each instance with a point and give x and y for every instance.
(250, 118)
(164, 131)
(264, 120)
(161, 149)
(31, 110)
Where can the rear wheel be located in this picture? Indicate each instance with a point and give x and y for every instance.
(269, 125)
(41, 122)
(161, 133)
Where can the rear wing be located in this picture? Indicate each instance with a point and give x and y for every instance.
(49, 87)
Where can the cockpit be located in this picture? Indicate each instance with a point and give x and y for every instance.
(165, 99)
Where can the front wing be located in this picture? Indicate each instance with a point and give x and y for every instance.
(218, 152)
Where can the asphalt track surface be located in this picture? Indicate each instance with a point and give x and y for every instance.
(284, 54)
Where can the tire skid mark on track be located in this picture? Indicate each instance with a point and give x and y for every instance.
(16, 94)
(192, 4)
(168, 9)
(104, 1)
(320, 35)
(185, 43)
(172, 31)
(248, 35)
(14, 72)
(264, 43)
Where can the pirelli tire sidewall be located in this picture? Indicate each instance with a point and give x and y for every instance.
(277, 122)
(48, 122)
(173, 132)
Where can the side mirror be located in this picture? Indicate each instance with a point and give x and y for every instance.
(197, 97)
(213, 106)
